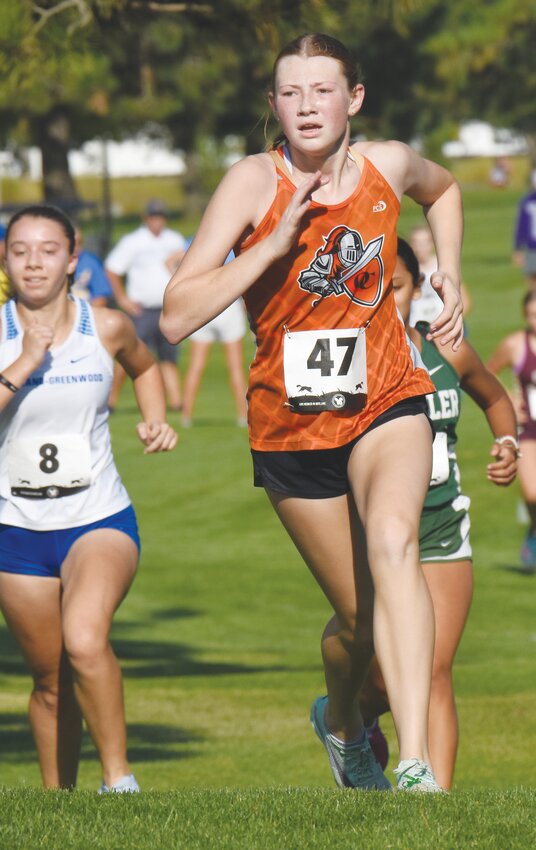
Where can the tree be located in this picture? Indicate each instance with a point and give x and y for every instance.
(483, 64)
(51, 75)
(73, 69)
(198, 71)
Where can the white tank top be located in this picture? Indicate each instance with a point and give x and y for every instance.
(56, 464)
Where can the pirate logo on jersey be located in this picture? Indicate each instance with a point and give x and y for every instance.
(344, 266)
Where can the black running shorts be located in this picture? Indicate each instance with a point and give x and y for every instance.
(321, 473)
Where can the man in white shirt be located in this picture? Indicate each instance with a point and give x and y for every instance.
(138, 274)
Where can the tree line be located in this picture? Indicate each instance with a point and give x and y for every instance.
(197, 72)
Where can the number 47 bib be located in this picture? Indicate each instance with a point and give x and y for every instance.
(326, 370)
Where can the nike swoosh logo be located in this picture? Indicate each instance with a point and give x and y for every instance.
(435, 369)
(77, 359)
(444, 543)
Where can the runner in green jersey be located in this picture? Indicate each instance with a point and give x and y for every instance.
(444, 530)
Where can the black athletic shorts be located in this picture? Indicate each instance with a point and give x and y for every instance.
(321, 473)
(148, 329)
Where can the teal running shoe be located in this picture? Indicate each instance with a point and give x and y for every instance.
(528, 553)
(353, 765)
(416, 775)
(124, 785)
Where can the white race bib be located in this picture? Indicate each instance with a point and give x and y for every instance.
(326, 370)
(440, 461)
(531, 398)
(42, 467)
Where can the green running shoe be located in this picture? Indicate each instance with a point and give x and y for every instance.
(352, 765)
(416, 775)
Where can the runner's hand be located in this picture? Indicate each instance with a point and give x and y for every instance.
(36, 341)
(284, 236)
(157, 436)
(504, 470)
(448, 327)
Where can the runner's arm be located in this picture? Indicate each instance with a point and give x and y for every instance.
(490, 395)
(203, 286)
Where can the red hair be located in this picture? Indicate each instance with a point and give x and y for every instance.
(318, 44)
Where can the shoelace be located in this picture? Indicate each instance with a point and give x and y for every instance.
(359, 760)
(417, 774)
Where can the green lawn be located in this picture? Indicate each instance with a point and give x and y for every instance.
(219, 642)
(268, 819)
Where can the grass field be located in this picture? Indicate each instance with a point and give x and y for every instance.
(219, 642)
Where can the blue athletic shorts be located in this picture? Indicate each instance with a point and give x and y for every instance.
(41, 553)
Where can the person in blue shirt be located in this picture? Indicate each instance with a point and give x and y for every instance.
(4, 280)
(91, 282)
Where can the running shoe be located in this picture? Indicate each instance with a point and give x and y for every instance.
(378, 743)
(352, 765)
(528, 552)
(124, 785)
(416, 775)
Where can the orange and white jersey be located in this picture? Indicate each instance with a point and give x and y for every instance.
(332, 352)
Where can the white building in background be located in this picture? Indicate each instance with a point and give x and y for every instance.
(140, 157)
(476, 138)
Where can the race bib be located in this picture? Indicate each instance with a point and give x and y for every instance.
(440, 462)
(326, 370)
(46, 466)
(531, 398)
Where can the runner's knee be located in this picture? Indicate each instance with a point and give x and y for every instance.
(84, 645)
(391, 541)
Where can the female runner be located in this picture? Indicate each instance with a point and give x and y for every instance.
(518, 352)
(69, 544)
(445, 549)
(337, 420)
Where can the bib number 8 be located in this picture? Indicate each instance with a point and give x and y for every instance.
(49, 464)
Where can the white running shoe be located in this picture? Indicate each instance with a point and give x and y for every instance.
(353, 765)
(124, 785)
(416, 775)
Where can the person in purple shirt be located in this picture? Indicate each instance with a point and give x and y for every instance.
(517, 352)
(525, 235)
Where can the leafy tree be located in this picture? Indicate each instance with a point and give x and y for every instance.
(483, 64)
(74, 69)
(198, 71)
(52, 76)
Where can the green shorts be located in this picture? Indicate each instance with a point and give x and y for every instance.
(444, 532)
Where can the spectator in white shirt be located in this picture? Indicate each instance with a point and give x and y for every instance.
(137, 270)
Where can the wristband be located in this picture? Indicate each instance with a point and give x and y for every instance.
(508, 439)
(8, 384)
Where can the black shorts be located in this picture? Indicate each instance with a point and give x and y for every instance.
(321, 473)
(148, 330)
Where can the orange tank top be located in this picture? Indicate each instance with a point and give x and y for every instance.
(332, 353)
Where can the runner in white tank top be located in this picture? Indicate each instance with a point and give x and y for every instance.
(68, 537)
(72, 384)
